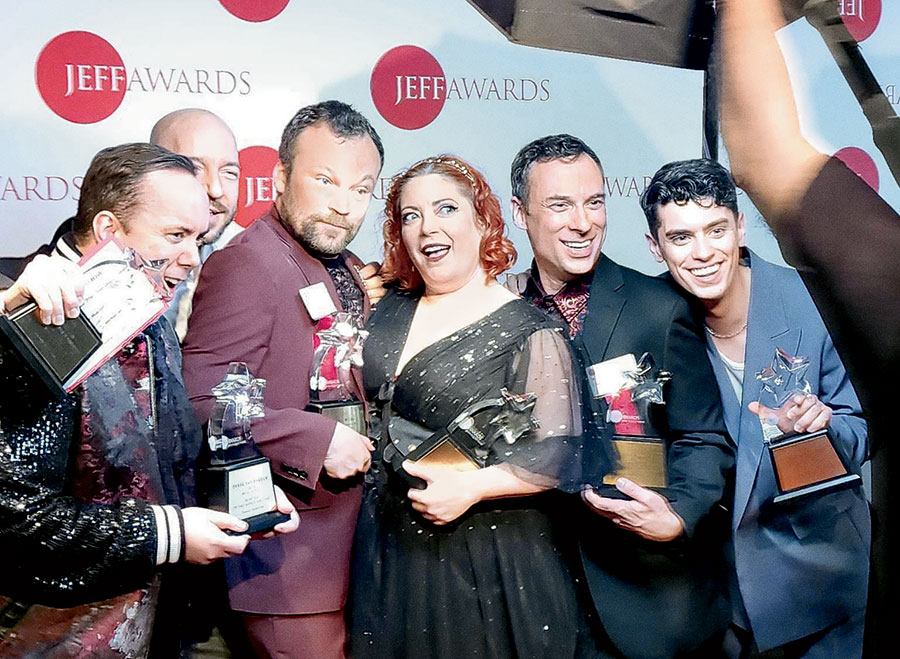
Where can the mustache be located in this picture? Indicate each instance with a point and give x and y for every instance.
(333, 219)
(216, 206)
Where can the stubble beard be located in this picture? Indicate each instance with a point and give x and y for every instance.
(311, 232)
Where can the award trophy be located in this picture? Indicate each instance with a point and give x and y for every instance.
(464, 445)
(123, 294)
(338, 347)
(629, 390)
(804, 463)
(238, 478)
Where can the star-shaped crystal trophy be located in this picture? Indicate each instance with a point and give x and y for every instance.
(804, 463)
(337, 348)
(466, 442)
(627, 394)
(237, 478)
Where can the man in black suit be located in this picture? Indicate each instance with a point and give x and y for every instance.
(654, 564)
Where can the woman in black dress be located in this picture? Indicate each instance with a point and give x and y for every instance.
(466, 562)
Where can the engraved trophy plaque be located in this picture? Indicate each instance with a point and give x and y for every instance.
(338, 345)
(804, 463)
(238, 478)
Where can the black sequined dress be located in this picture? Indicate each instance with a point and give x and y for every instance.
(496, 582)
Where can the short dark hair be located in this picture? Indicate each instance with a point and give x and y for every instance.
(545, 149)
(341, 118)
(113, 181)
(702, 180)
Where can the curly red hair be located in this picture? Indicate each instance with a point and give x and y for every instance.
(496, 252)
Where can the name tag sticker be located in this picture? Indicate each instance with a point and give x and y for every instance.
(608, 378)
(317, 301)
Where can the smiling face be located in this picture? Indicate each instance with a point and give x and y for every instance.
(701, 247)
(206, 140)
(565, 217)
(324, 197)
(172, 213)
(440, 232)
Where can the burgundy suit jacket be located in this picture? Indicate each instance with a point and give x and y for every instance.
(247, 308)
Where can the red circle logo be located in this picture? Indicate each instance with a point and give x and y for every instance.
(408, 87)
(257, 191)
(860, 16)
(255, 11)
(861, 163)
(81, 77)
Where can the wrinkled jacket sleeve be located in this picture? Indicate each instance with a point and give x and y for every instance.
(701, 453)
(55, 549)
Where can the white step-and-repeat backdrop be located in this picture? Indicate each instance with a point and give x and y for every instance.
(79, 76)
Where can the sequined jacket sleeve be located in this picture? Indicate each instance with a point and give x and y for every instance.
(56, 550)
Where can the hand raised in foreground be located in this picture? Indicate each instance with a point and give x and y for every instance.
(647, 513)
(348, 454)
(55, 284)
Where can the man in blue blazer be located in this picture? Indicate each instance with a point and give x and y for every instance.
(800, 569)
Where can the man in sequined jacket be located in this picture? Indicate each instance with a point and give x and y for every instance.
(96, 488)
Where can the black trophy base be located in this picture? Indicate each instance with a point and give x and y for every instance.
(53, 352)
(242, 488)
(266, 521)
(641, 460)
(808, 464)
(351, 413)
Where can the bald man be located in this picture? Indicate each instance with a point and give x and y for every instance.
(208, 141)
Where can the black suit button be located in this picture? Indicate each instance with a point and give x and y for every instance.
(293, 471)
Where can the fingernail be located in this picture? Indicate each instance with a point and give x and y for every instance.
(58, 319)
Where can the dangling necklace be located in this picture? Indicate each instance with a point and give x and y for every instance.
(725, 336)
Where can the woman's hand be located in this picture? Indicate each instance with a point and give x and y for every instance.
(448, 494)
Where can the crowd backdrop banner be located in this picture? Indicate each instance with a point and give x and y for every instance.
(432, 77)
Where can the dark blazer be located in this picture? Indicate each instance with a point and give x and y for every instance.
(661, 600)
(247, 308)
(801, 567)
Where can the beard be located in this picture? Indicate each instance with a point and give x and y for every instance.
(216, 206)
(322, 234)
(327, 235)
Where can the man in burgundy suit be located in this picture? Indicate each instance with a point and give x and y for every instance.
(290, 592)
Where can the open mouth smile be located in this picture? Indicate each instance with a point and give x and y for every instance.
(706, 270)
(435, 252)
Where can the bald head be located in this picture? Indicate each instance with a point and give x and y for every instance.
(208, 141)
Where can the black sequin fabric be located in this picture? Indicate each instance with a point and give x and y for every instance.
(77, 477)
(349, 292)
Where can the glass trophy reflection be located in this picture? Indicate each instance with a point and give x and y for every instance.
(338, 345)
(630, 390)
(804, 463)
(238, 478)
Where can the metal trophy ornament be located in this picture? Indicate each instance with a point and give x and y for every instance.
(627, 390)
(804, 463)
(338, 344)
(466, 442)
(238, 478)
